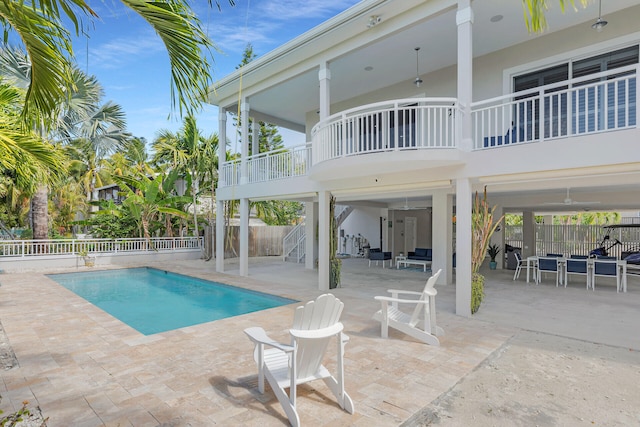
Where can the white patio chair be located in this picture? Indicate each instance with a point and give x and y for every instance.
(286, 366)
(519, 264)
(390, 316)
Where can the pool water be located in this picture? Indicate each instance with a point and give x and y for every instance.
(153, 301)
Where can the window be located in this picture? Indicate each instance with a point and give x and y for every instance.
(595, 104)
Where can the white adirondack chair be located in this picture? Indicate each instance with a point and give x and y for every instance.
(285, 366)
(390, 316)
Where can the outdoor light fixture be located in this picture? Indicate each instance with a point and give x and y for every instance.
(600, 23)
(374, 20)
(418, 80)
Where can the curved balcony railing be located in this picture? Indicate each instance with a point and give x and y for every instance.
(403, 124)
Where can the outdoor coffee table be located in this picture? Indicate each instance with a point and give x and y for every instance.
(407, 262)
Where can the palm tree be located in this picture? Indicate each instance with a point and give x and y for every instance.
(80, 117)
(189, 152)
(40, 24)
(25, 155)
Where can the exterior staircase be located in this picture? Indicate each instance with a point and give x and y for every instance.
(293, 244)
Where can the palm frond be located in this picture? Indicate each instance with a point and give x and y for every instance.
(186, 43)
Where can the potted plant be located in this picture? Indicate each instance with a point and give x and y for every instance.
(493, 250)
(89, 260)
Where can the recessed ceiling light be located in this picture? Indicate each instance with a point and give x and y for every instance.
(496, 18)
(368, 68)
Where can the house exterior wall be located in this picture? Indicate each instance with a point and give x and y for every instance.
(602, 157)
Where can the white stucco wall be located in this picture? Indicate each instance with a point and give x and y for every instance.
(366, 221)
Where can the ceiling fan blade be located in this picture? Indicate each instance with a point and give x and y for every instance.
(568, 201)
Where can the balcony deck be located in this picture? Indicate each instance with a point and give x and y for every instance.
(426, 131)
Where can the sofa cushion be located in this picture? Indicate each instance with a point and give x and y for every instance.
(421, 252)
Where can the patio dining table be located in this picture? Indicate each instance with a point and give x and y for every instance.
(621, 265)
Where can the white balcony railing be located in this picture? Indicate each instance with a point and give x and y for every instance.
(403, 124)
(36, 248)
(269, 166)
(599, 102)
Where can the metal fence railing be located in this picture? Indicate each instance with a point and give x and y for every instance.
(575, 239)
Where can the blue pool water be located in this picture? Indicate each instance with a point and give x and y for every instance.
(153, 301)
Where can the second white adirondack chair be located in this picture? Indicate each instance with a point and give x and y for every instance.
(421, 323)
(286, 366)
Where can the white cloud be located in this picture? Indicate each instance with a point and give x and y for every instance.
(285, 10)
(119, 52)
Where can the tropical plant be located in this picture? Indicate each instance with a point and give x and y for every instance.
(335, 263)
(483, 225)
(111, 221)
(493, 250)
(40, 25)
(147, 198)
(534, 12)
(190, 153)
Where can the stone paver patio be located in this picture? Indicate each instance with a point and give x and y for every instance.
(85, 368)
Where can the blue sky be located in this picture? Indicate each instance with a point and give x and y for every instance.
(130, 61)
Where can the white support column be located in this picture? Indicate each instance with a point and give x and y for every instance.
(463, 246)
(222, 142)
(323, 240)
(244, 237)
(244, 150)
(528, 234)
(464, 20)
(442, 216)
(255, 138)
(324, 75)
(219, 236)
(311, 218)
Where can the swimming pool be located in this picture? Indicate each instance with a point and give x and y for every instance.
(153, 301)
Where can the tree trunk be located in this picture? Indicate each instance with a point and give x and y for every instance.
(40, 214)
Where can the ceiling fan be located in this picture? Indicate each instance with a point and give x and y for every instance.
(568, 201)
(407, 207)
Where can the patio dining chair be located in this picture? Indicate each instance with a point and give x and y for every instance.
(548, 265)
(577, 266)
(519, 264)
(605, 268)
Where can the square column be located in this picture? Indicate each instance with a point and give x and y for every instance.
(323, 240)
(219, 236)
(222, 143)
(310, 222)
(464, 20)
(528, 234)
(244, 237)
(244, 150)
(442, 236)
(324, 76)
(464, 208)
